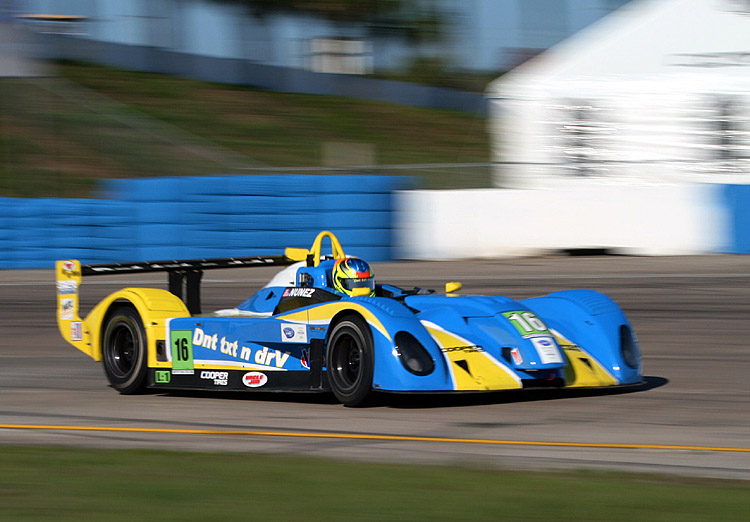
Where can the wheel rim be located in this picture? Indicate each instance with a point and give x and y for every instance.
(347, 362)
(123, 349)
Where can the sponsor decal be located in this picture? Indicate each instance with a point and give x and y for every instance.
(547, 350)
(266, 356)
(232, 348)
(305, 359)
(162, 377)
(183, 372)
(67, 308)
(298, 292)
(254, 379)
(464, 349)
(69, 269)
(515, 354)
(76, 331)
(219, 378)
(212, 342)
(67, 287)
(293, 333)
(200, 338)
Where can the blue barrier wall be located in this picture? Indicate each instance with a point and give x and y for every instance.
(201, 217)
(736, 200)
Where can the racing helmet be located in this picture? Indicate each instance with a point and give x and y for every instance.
(350, 273)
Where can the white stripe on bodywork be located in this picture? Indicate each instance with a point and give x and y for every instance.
(239, 364)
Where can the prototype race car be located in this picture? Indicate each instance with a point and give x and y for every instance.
(313, 329)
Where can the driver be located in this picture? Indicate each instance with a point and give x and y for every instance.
(350, 273)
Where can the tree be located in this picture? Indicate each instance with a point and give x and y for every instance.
(418, 20)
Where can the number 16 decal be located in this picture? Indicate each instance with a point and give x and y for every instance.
(182, 349)
(527, 323)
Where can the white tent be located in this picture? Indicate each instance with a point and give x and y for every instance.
(658, 91)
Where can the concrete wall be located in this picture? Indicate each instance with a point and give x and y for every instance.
(637, 220)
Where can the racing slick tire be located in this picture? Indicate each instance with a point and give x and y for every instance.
(124, 350)
(350, 361)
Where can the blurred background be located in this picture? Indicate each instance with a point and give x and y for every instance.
(594, 124)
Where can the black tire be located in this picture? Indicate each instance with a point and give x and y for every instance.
(350, 361)
(124, 350)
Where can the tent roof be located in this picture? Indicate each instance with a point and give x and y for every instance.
(691, 41)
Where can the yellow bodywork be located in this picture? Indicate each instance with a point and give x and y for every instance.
(324, 313)
(154, 306)
(453, 287)
(471, 368)
(300, 254)
(582, 369)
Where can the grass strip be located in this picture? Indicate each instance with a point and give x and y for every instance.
(93, 484)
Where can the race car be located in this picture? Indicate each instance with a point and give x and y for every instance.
(324, 324)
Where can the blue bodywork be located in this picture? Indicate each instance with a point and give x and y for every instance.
(422, 341)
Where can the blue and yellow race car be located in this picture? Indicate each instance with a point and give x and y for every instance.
(323, 324)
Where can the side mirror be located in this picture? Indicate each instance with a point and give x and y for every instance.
(296, 254)
(452, 287)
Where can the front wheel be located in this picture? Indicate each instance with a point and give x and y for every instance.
(124, 350)
(350, 361)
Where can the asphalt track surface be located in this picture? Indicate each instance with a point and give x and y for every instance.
(691, 417)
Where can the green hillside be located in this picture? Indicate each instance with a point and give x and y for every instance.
(58, 135)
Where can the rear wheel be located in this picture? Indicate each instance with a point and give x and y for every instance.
(350, 361)
(124, 350)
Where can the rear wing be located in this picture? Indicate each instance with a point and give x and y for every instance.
(184, 279)
(184, 276)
